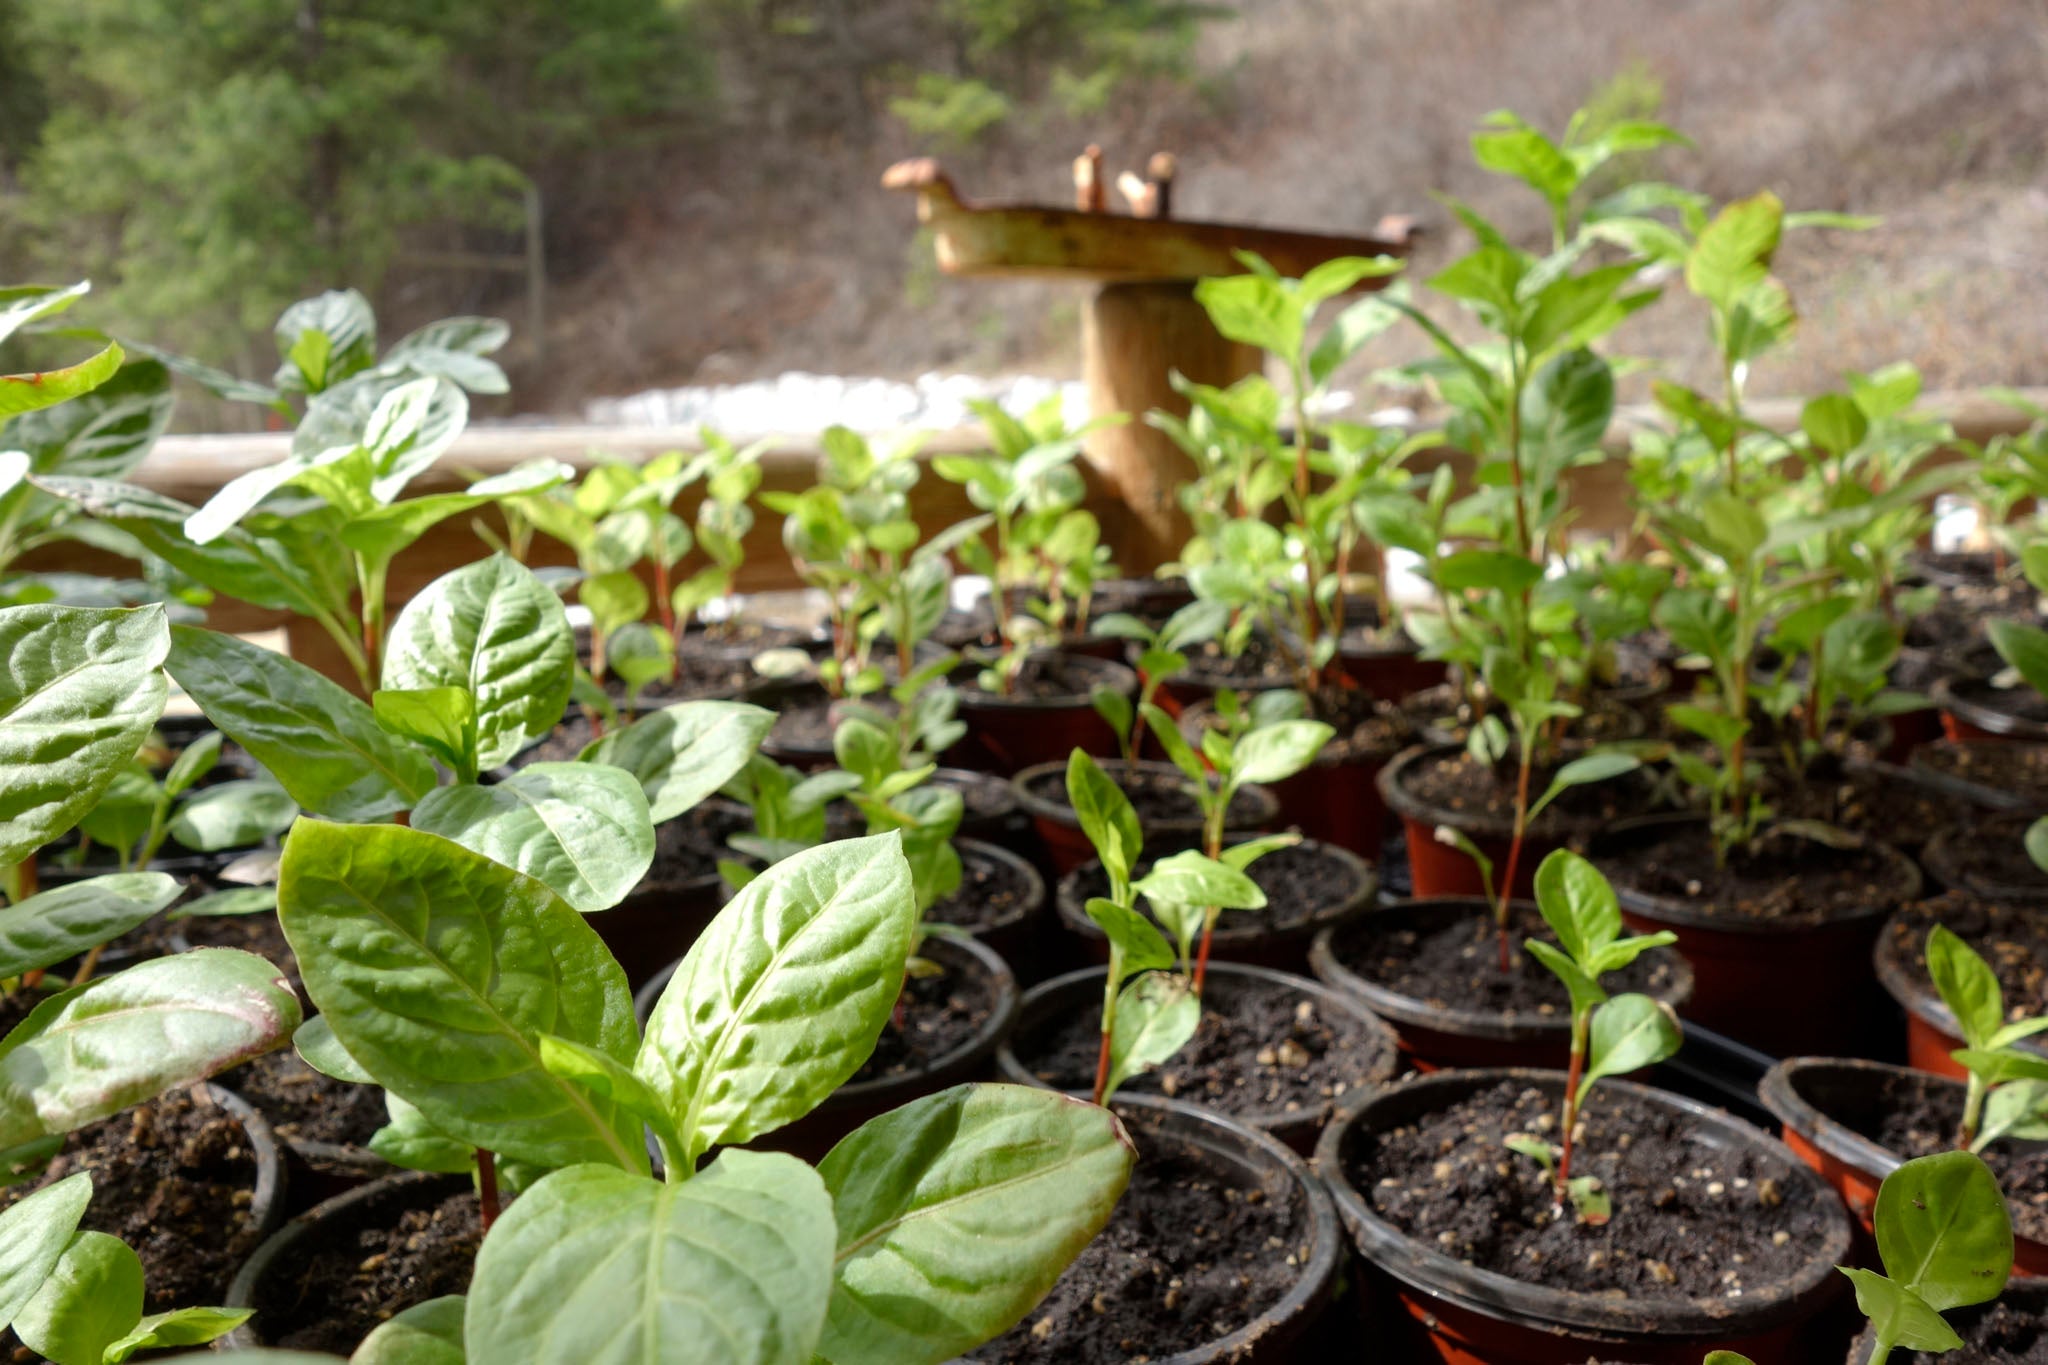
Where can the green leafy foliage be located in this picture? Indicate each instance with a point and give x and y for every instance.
(1945, 1239)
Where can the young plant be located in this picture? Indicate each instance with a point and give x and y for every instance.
(731, 476)
(139, 812)
(1610, 1037)
(1945, 1239)
(1161, 654)
(1266, 741)
(2008, 1089)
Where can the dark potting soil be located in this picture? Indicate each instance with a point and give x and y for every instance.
(1185, 1260)
(259, 934)
(175, 1179)
(563, 743)
(1044, 677)
(1917, 1115)
(1456, 964)
(343, 1289)
(1158, 796)
(2013, 939)
(1865, 802)
(1445, 709)
(18, 1004)
(1300, 883)
(1260, 664)
(2014, 768)
(2020, 702)
(1781, 878)
(305, 1106)
(1692, 1220)
(938, 1015)
(1999, 1333)
(1470, 790)
(981, 797)
(688, 847)
(1988, 851)
(990, 893)
(1261, 1049)
(698, 678)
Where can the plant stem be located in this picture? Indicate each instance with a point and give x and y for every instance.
(87, 967)
(1504, 892)
(1582, 1022)
(1880, 1352)
(1109, 986)
(1973, 1111)
(487, 1187)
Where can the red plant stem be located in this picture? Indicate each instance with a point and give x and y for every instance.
(1202, 960)
(1571, 1108)
(664, 608)
(487, 1187)
(1506, 890)
(1102, 1068)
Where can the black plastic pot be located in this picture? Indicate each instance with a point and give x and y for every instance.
(2028, 1298)
(1435, 1035)
(1946, 766)
(1283, 947)
(1932, 1032)
(1971, 708)
(1948, 858)
(1241, 1158)
(264, 1277)
(992, 814)
(1018, 938)
(1042, 793)
(1050, 1003)
(1479, 1317)
(1434, 713)
(1780, 987)
(854, 1103)
(1008, 734)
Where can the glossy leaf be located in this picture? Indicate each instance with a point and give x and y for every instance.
(410, 1141)
(92, 1299)
(683, 753)
(1900, 1317)
(33, 1234)
(599, 1267)
(1967, 985)
(318, 1048)
(957, 1212)
(1191, 878)
(21, 393)
(233, 814)
(495, 630)
(582, 828)
(178, 1327)
(427, 1333)
(2023, 646)
(1106, 815)
(96, 1049)
(441, 720)
(1138, 939)
(1577, 903)
(322, 743)
(1273, 753)
(611, 1080)
(1630, 1032)
(437, 969)
(53, 925)
(79, 693)
(1155, 1016)
(781, 999)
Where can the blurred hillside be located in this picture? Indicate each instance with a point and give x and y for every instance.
(710, 170)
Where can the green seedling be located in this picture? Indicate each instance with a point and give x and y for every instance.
(139, 812)
(2008, 1087)
(1161, 654)
(1610, 1037)
(1945, 1238)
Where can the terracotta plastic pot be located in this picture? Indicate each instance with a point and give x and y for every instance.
(1782, 988)
(854, 1103)
(1948, 858)
(1389, 670)
(267, 1276)
(779, 694)
(2029, 1297)
(1150, 599)
(1007, 734)
(1041, 790)
(1436, 868)
(1932, 1033)
(1823, 1101)
(1436, 1036)
(1284, 948)
(1970, 709)
(1051, 1003)
(1462, 1315)
(1936, 764)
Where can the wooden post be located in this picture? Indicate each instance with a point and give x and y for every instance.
(1133, 337)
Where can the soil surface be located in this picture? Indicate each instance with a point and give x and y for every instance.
(305, 1106)
(1782, 878)
(936, 1015)
(1300, 882)
(1918, 1116)
(1260, 665)
(1999, 1333)
(1445, 714)
(698, 678)
(2020, 702)
(1871, 803)
(563, 743)
(1366, 728)
(345, 1288)
(2013, 939)
(1987, 853)
(983, 797)
(1456, 964)
(2003, 765)
(1048, 676)
(1261, 1050)
(174, 1179)
(990, 893)
(1692, 1220)
(1477, 793)
(1185, 1260)
(688, 847)
(1159, 797)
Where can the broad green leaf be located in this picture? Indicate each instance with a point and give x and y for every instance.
(1834, 422)
(1155, 1016)
(102, 434)
(1630, 1032)
(1137, 939)
(1584, 986)
(1734, 251)
(1526, 154)
(1167, 732)
(96, 1049)
(781, 999)
(318, 1048)
(1106, 815)
(599, 1267)
(1598, 766)
(957, 1212)
(2007, 1064)
(613, 599)
(234, 814)
(1967, 985)
(427, 1333)
(33, 1235)
(79, 694)
(495, 630)
(179, 1327)
(582, 828)
(1727, 1358)
(322, 743)
(125, 811)
(1736, 528)
(21, 304)
(1578, 904)
(1273, 753)
(437, 969)
(441, 720)
(410, 1141)
(2023, 646)
(1900, 1317)
(1255, 311)
(1242, 855)
(1567, 406)
(1191, 878)
(2018, 1109)
(1497, 570)
(91, 1300)
(239, 900)
(683, 753)
(53, 925)
(21, 393)
(194, 762)
(611, 1079)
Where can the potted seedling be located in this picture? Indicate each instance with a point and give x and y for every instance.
(140, 812)
(1945, 1241)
